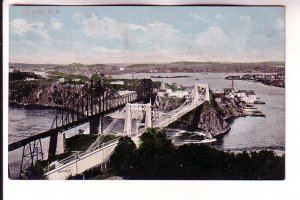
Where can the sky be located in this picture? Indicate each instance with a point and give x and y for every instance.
(145, 34)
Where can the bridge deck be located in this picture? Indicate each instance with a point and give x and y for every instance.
(23, 142)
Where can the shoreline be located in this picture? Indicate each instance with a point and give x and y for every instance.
(33, 106)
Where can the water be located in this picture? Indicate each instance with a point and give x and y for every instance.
(24, 123)
(246, 133)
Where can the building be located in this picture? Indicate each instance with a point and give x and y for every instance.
(178, 93)
(61, 80)
(117, 83)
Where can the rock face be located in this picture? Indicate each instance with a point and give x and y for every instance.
(46, 94)
(231, 109)
(207, 117)
(211, 121)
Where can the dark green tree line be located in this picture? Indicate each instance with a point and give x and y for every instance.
(157, 158)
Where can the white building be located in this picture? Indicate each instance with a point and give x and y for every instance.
(250, 99)
(117, 83)
(61, 80)
(168, 91)
(178, 93)
(161, 93)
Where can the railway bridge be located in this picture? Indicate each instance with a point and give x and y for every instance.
(93, 101)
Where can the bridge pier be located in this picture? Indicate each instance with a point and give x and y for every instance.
(56, 145)
(52, 146)
(94, 125)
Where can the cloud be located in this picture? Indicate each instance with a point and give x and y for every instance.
(198, 17)
(20, 26)
(56, 24)
(107, 27)
(78, 18)
(110, 40)
(161, 28)
(214, 38)
(92, 26)
(219, 16)
(246, 19)
(279, 23)
(105, 50)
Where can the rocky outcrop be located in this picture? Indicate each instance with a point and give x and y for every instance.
(232, 108)
(211, 121)
(40, 95)
(207, 117)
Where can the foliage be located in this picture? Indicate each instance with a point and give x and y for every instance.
(205, 106)
(129, 84)
(157, 158)
(80, 142)
(21, 89)
(174, 86)
(35, 172)
(18, 75)
(140, 65)
(124, 157)
(68, 77)
(83, 142)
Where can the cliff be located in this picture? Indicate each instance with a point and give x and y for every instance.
(231, 108)
(207, 117)
(40, 94)
(211, 121)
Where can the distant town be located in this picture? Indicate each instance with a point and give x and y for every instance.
(185, 67)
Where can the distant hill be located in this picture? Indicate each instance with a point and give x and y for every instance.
(273, 63)
(181, 66)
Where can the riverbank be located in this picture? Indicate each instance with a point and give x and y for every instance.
(277, 80)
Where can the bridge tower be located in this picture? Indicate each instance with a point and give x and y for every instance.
(207, 96)
(128, 116)
(127, 124)
(196, 93)
(148, 118)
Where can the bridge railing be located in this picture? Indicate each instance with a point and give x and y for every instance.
(79, 155)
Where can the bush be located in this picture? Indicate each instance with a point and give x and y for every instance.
(157, 158)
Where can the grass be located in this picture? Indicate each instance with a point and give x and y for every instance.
(80, 142)
(129, 84)
(83, 142)
(140, 65)
(56, 74)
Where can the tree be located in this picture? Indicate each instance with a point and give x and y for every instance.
(156, 155)
(123, 159)
(157, 158)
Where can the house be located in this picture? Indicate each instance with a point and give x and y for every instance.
(178, 93)
(117, 83)
(61, 80)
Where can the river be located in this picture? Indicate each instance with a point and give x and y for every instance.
(250, 133)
